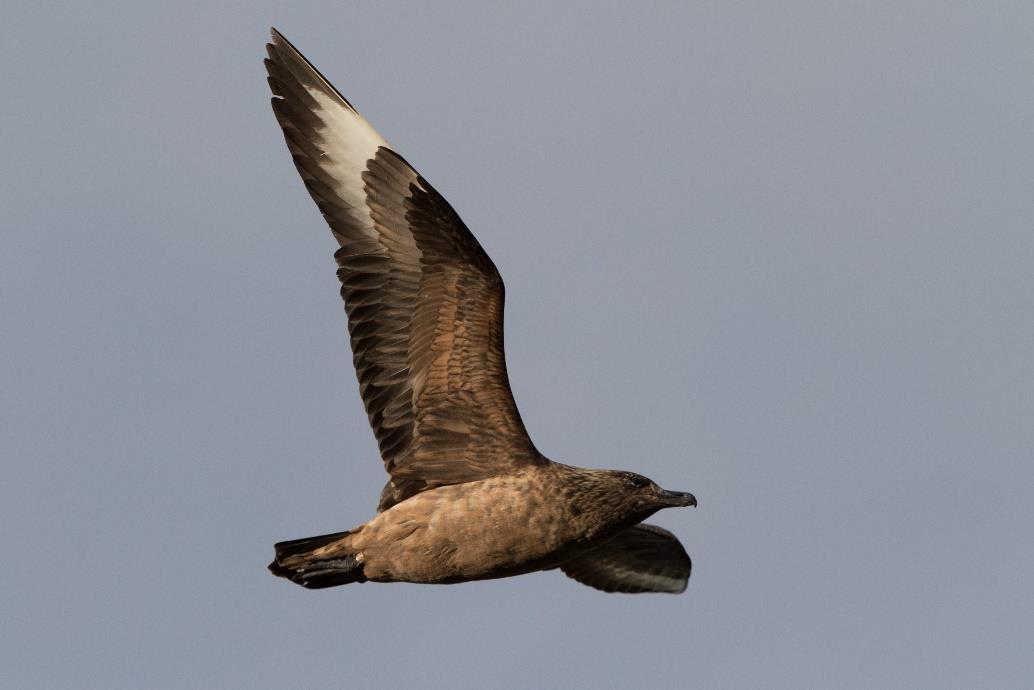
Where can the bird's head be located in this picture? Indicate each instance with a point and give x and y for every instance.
(625, 498)
(644, 493)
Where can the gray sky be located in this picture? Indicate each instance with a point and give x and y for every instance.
(782, 257)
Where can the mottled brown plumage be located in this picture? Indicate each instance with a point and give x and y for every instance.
(469, 497)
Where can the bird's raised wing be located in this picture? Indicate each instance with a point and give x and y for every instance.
(642, 558)
(424, 301)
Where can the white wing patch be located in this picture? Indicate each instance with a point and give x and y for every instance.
(346, 140)
(348, 143)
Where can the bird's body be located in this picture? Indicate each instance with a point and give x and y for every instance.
(469, 496)
(534, 519)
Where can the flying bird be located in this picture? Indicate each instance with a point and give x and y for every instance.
(468, 495)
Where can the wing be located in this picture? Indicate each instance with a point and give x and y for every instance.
(643, 558)
(424, 301)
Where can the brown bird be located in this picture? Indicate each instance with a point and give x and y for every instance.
(469, 497)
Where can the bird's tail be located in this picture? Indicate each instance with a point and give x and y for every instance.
(297, 561)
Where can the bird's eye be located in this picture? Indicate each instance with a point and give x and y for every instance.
(637, 480)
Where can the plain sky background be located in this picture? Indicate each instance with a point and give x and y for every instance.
(777, 254)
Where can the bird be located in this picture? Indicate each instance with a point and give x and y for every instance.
(469, 497)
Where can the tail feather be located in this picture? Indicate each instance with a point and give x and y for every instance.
(296, 562)
(296, 547)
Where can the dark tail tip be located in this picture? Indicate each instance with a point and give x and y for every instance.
(321, 574)
(294, 561)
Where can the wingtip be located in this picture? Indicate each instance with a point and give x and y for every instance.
(282, 51)
(278, 40)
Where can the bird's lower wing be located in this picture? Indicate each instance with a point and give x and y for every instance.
(643, 558)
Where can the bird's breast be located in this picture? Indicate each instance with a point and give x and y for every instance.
(489, 528)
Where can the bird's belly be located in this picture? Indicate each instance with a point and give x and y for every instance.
(488, 529)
